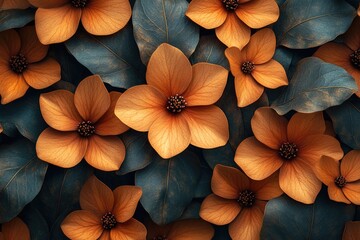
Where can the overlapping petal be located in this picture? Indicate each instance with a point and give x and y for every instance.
(268, 188)
(352, 192)
(336, 194)
(31, 47)
(10, 44)
(327, 169)
(247, 90)
(126, 200)
(132, 229)
(270, 74)
(191, 229)
(261, 47)
(350, 166)
(48, 3)
(12, 86)
(236, 58)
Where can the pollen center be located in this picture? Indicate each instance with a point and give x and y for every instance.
(160, 237)
(246, 198)
(230, 5)
(175, 104)
(79, 3)
(288, 150)
(86, 128)
(355, 58)
(340, 181)
(247, 67)
(108, 221)
(18, 63)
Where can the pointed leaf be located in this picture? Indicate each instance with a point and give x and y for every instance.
(15, 18)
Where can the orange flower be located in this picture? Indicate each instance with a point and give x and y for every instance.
(254, 68)
(81, 124)
(16, 229)
(21, 64)
(239, 201)
(232, 19)
(14, 4)
(57, 20)
(342, 178)
(294, 147)
(345, 55)
(351, 231)
(176, 106)
(105, 214)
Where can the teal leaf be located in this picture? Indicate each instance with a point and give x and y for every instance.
(315, 86)
(204, 185)
(115, 57)
(15, 18)
(39, 229)
(309, 23)
(168, 186)
(22, 175)
(163, 21)
(285, 218)
(192, 210)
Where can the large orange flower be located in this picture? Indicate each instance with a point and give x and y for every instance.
(22, 64)
(81, 124)
(294, 147)
(105, 214)
(342, 178)
(254, 68)
(232, 19)
(16, 229)
(14, 4)
(345, 55)
(176, 106)
(238, 200)
(57, 20)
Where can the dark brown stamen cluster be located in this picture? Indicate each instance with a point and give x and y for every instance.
(247, 67)
(175, 104)
(246, 198)
(18, 63)
(288, 150)
(159, 237)
(355, 58)
(108, 221)
(340, 181)
(79, 3)
(86, 128)
(230, 5)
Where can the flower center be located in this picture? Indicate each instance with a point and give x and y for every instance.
(247, 67)
(355, 58)
(79, 3)
(160, 237)
(86, 128)
(108, 221)
(288, 150)
(246, 198)
(340, 181)
(18, 63)
(230, 5)
(175, 104)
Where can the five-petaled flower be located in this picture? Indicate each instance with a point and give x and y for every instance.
(232, 19)
(57, 20)
(105, 214)
(176, 106)
(294, 147)
(14, 4)
(81, 125)
(254, 68)
(22, 64)
(15, 229)
(238, 201)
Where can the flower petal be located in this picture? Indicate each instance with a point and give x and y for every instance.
(55, 25)
(269, 128)
(236, 58)
(43, 74)
(139, 106)
(228, 182)
(105, 17)
(258, 13)
(207, 85)
(208, 126)
(352, 36)
(31, 47)
(268, 188)
(12, 86)
(271, 74)
(15, 229)
(336, 194)
(219, 211)
(169, 135)
(105, 236)
(247, 90)
(47, 3)
(14, 4)
(352, 229)
(191, 229)
(327, 169)
(350, 166)
(169, 70)
(91, 98)
(96, 197)
(82, 225)
(233, 33)
(126, 201)
(261, 47)
(105, 153)
(335, 53)
(10, 44)
(132, 229)
(257, 160)
(352, 192)
(208, 14)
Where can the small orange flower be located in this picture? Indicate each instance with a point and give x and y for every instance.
(22, 64)
(351, 231)
(254, 68)
(176, 106)
(105, 214)
(342, 178)
(238, 201)
(16, 229)
(232, 19)
(57, 20)
(14, 4)
(345, 55)
(81, 124)
(294, 147)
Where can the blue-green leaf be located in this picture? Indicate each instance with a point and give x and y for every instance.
(311, 23)
(15, 18)
(160, 21)
(39, 229)
(315, 86)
